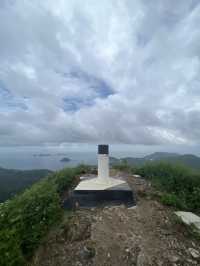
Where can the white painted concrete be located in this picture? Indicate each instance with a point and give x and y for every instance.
(99, 184)
(189, 218)
(103, 167)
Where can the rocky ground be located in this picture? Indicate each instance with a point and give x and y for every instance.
(145, 235)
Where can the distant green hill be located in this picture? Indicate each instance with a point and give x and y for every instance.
(161, 155)
(14, 181)
(186, 159)
(189, 160)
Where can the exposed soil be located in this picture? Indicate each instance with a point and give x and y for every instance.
(143, 236)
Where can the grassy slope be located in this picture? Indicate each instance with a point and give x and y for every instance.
(26, 218)
(180, 185)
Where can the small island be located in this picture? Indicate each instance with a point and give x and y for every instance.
(42, 155)
(65, 159)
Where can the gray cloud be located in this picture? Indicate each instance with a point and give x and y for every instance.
(108, 71)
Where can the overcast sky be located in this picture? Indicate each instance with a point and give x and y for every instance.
(109, 71)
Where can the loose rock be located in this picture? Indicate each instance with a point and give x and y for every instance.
(194, 253)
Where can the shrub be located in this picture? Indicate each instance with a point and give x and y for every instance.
(29, 216)
(64, 179)
(25, 219)
(83, 169)
(10, 252)
(181, 184)
(172, 200)
(194, 199)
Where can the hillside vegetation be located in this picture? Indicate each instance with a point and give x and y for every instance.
(26, 219)
(181, 185)
(116, 235)
(14, 181)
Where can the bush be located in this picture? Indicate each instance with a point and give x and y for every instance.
(181, 184)
(26, 219)
(10, 251)
(172, 200)
(63, 179)
(83, 169)
(67, 177)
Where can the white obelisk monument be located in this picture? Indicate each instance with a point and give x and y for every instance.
(101, 189)
(103, 181)
(103, 163)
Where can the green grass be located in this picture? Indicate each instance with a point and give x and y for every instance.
(180, 185)
(26, 218)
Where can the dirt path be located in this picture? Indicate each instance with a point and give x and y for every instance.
(145, 235)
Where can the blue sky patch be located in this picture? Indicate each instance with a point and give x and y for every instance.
(97, 86)
(8, 102)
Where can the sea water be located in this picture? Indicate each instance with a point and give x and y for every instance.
(27, 160)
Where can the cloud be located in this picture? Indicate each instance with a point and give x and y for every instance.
(108, 71)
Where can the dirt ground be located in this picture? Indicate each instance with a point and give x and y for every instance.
(144, 235)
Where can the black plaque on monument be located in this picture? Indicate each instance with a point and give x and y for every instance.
(103, 149)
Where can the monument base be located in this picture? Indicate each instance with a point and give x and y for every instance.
(99, 192)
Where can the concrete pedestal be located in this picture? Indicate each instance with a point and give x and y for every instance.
(99, 192)
(102, 189)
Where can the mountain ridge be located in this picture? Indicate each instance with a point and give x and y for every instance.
(189, 160)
